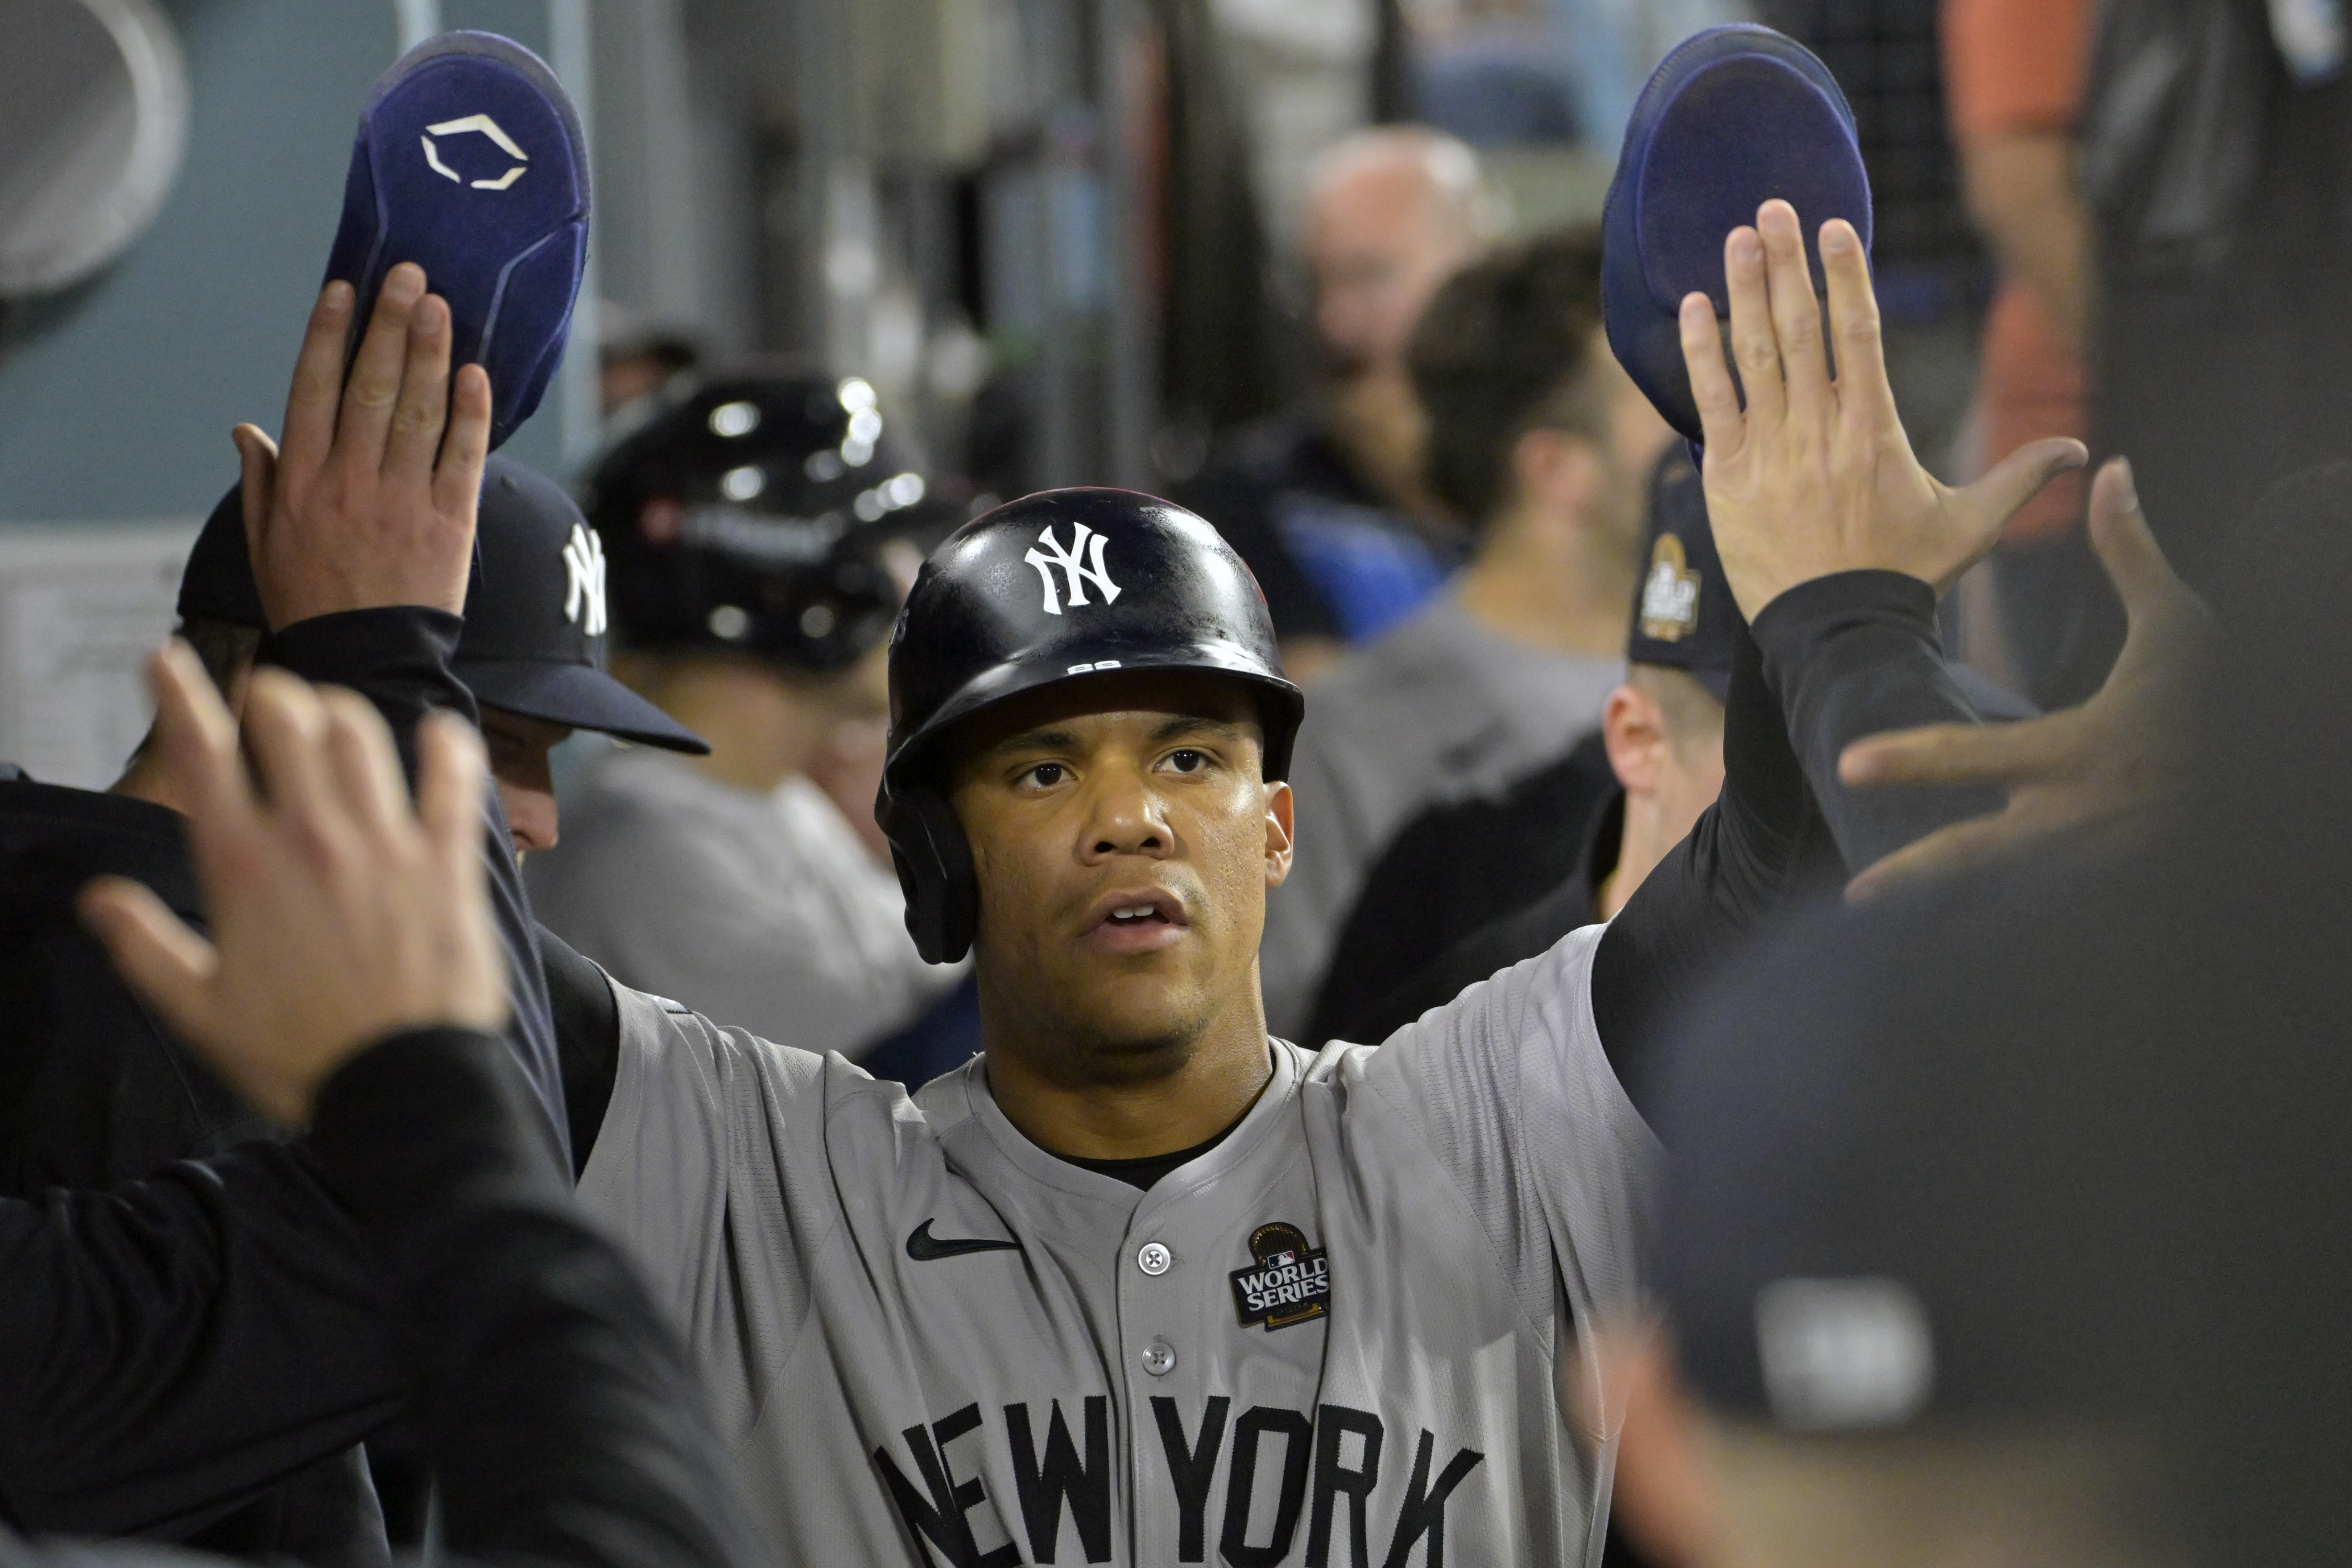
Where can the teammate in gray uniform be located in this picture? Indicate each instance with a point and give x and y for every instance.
(1142, 1284)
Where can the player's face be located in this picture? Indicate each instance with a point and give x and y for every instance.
(518, 748)
(1124, 839)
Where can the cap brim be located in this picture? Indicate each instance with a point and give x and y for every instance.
(576, 694)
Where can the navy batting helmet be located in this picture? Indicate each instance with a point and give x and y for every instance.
(742, 517)
(1058, 587)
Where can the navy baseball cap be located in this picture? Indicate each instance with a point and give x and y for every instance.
(1684, 615)
(1732, 117)
(535, 608)
(469, 162)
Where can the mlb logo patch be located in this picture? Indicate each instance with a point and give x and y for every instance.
(1287, 1281)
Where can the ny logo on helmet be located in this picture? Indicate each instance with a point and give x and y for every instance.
(584, 586)
(1075, 571)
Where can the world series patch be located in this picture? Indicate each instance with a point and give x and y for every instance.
(1290, 1282)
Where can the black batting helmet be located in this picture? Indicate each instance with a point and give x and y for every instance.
(1056, 586)
(742, 516)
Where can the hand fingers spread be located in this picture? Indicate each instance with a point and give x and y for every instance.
(1796, 318)
(416, 435)
(1958, 754)
(374, 383)
(1864, 396)
(364, 768)
(1992, 500)
(286, 730)
(2134, 563)
(318, 387)
(257, 474)
(1710, 378)
(457, 482)
(198, 743)
(1944, 852)
(169, 966)
(1753, 342)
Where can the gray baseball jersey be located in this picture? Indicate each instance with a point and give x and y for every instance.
(1335, 1338)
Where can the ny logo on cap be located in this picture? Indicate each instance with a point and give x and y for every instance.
(1075, 571)
(584, 586)
(1669, 594)
(488, 127)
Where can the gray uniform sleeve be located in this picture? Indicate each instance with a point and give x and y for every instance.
(1510, 1087)
(690, 1170)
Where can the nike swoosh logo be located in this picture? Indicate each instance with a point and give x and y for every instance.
(923, 1247)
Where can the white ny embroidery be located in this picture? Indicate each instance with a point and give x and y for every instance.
(584, 588)
(1075, 571)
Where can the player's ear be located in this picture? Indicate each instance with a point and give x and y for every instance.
(1279, 831)
(1633, 729)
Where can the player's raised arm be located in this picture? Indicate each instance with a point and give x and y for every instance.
(360, 528)
(1836, 544)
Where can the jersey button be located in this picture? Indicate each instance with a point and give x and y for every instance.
(1154, 1259)
(1160, 1358)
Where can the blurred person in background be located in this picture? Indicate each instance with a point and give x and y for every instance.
(745, 574)
(2014, 83)
(636, 356)
(1544, 443)
(1470, 887)
(1327, 503)
(2216, 158)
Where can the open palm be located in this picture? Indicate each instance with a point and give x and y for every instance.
(1814, 475)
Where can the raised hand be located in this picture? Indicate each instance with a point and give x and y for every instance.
(339, 914)
(2115, 755)
(1815, 475)
(370, 500)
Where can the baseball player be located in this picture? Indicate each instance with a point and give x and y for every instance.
(1142, 1284)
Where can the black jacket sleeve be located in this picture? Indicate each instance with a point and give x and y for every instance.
(398, 658)
(173, 1348)
(1830, 661)
(567, 1424)
(1857, 653)
(1761, 844)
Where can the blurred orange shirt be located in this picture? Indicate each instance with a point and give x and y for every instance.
(2013, 66)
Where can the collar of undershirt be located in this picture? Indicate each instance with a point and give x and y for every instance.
(1144, 1174)
(1147, 1171)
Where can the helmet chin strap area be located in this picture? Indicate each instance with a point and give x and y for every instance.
(933, 859)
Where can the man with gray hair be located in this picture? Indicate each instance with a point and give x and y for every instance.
(1326, 501)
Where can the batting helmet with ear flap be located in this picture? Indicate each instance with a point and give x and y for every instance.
(1059, 586)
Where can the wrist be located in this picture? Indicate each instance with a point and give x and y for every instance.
(1801, 609)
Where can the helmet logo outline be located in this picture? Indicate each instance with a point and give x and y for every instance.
(583, 585)
(1075, 567)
